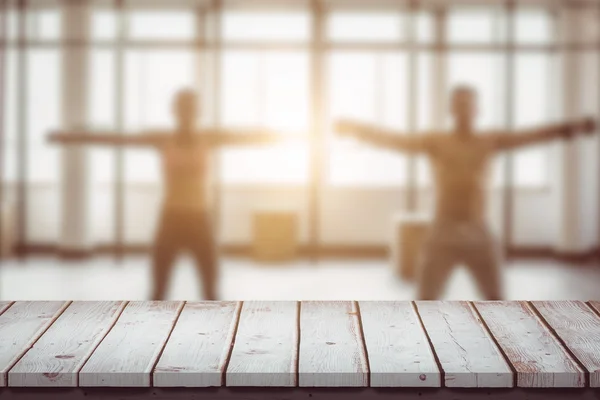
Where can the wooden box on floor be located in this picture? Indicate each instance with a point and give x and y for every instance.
(409, 231)
(275, 236)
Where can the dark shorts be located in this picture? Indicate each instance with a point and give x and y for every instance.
(450, 244)
(184, 231)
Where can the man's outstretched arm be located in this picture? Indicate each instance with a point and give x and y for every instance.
(246, 137)
(543, 134)
(105, 138)
(378, 137)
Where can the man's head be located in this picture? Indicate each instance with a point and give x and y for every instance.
(464, 107)
(185, 109)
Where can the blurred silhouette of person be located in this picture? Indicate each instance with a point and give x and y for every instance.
(185, 222)
(460, 162)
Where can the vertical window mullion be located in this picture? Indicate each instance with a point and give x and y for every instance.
(216, 39)
(119, 160)
(598, 115)
(412, 112)
(3, 96)
(22, 126)
(317, 145)
(439, 71)
(508, 198)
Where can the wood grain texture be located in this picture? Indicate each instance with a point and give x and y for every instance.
(332, 351)
(127, 355)
(537, 356)
(398, 349)
(595, 305)
(197, 351)
(20, 326)
(579, 328)
(4, 306)
(265, 353)
(57, 357)
(465, 350)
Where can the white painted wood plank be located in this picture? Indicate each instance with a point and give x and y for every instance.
(20, 326)
(265, 353)
(57, 357)
(197, 351)
(127, 355)
(332, 352)
(579, 328)
(397, 347)
(465, 350)
(536, 355)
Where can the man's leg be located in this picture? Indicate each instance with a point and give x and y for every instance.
(436, 262)
(163, 255)
(485, 263)
(205, 254)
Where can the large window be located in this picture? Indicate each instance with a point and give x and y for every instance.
(266, 89)
(260, 65)
(369, 87)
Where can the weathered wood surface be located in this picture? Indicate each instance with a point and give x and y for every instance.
(20, 327)
(397, 346)
(58, 356)
(536, 355)
(337, 345)
(578, 326)
(467, 353)
(198, 349)
(126, 357)
(266, 346)
(332, 353)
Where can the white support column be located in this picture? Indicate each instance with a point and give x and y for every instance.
(569, 239)
(74, 185)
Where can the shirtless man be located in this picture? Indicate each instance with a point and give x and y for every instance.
(186, 221)
(460, 162)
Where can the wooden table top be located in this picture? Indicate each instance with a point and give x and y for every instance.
(306, 344)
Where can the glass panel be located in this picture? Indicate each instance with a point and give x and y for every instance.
(534, 27)
(44, 108)
(162, 24)
(152, 77)
(372, 88)
(476, 26)
(263, 26)
(101, 101)
(533, 91)
(366, 26)
(101, 113)
(44, 24)
(44, 94)
(272, 90)
(425, 27)
(104, 24)
(40, 23)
